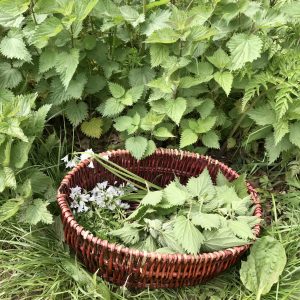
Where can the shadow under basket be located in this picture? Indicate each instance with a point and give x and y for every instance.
(121, 265)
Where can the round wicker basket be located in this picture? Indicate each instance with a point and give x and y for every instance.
(136, 269)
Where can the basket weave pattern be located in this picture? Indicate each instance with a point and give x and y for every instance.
(122, 265)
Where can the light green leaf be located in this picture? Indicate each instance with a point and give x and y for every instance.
(151, 147)
(188, 236)
(175, 109)
(47, 60)
(131, 15)
(10, 179)
(206, 108)
(174, 195)
(295, 133)
(123, 123)
(116, 90)
(37, 212)
(211, 140)
(76, 86)
(49, 28)
(135, 93)
(264, 265)
(162, 132)
(221, 179)
(274, 150)
(241, 229)
(188, 137)
(112, 107)
(9, 77)
(152, 198)
(12, 128)
(158, 54)
(244, 48)
(66, 65)
(224, 79)
(95, 84)
(129, 233)
(281, 128)
(92, 128)
(206, 221)
(136, 146)
(76, 112)
(162, 84)
(219, 59)
(205, 125)
(263, 115)
(10, 208)
(199, 33)
(201, 186)
(163, 36)
(19, 153)
(187, 82)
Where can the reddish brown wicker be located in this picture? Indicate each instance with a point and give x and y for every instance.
(136, 269)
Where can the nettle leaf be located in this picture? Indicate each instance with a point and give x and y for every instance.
(211, 140)
(76, 86)
(295, 133)
(37, 212)
(281, 128)
(158, 54)
(175, 109)
(76, 112)
(95, 84)
(200, 32)
(19, 153)
(152, 198)
(274, 150)
(136, 146)
(224, 79)
(131, 15)
(264, 265)
(112, 107)
(10, 208)
(66, 65)
(244, 48)
(162, 84)
(241, 229)
(205, 125)
(187, 235)
(206, 108)
(43, 32)
(47, 60)
(129, 233)
(157, 20)
(175, 195)
(12, 128)
(240, 186)
(92, 128)
(141, 76)
(116, 90)
(206, 221)
(201, 186)
(221, 179)
(123, 123)
(263, 115)
(188, 81)
(188, 137)
(151, 147)
(135, 93)
(219, 59)
(163, 132)
(9, 77)
(163, 36)
(9, 178)
(13, 46)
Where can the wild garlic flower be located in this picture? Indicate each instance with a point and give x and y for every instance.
(77, 159)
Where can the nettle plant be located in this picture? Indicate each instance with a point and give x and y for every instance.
(200, 70)
(22, 184)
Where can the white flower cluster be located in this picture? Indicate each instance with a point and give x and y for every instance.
(103, 196)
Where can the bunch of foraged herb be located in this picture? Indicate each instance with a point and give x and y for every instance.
(192, 218)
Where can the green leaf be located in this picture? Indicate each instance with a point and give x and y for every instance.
(43, 32)
(152, 198)
(66, 65)
(95, 84)
(295, 133)
(174, 195)
(224, 79)
(123, 123)
(162, 84)
(157, 20)
(40, 182)
(116, 90)
(129, 233)
(219, 239)
(92, 128)
(37, 212)
(274, 150)
(162, 132)
(263, 115)
(281, 128)
(211, 140)
(188, 236)
(131, 15)
(136, 146)
(206, 221)
(9, 77)
(151, 147)
(13, 46)
(12, 128)
(163, 36)
(241, 229)
(76, 112)
(76, 86)
(264, 265)
(112, 107)
(188, 137)
(2, 180)
(199, 33)
(158, 54)
(19, 153)
(187, 82)
(10, 208)
(175, 109)
(206, 108)
(240, 186)
(205, 125)
(219, 59)
(244, 48)
(201, 186)
(9, 178)
(135, 93)
(221, 179)
(47, 60)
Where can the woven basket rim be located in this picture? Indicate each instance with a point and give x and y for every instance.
(215, 255)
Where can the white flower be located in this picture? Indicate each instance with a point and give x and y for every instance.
(85, 197)
(102, 185)
(82, 207)
(72, 163)
(111, 207)
(91, 165)
(124, 205)
(106, 157)
(65, 159)
(74, 204)
(87, 154)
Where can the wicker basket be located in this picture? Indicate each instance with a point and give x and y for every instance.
(136, 269)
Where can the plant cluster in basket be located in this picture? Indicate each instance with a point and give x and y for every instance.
(200, 216)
